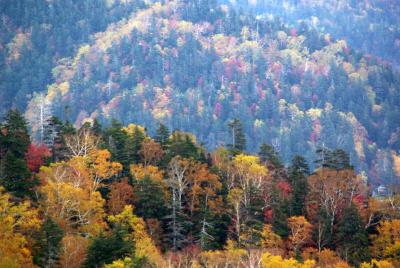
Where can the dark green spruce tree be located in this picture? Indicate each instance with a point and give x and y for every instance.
(149, 201)
(115, 140)
(298, 172)
(335, 159)
(15, 176)
(162, 136)
(238, 138)
(352, 238)
(48, 245)
(269, 156)
(54, 138)
(182, 144)
(133, 143)
(97, 128)
(104, 249)
(280, 211)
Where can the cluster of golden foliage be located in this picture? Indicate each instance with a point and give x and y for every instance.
(70, 191)
(17, 223)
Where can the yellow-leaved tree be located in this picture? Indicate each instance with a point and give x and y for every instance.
(300, 232)
(143, 244)
(17, 222)
(271, 261)
(386, 244)
(121, 263)
(231, 256)
(139, 172)
(271, 241)
(70, 191)
(246, 179)
(248, 174)
(377, 264)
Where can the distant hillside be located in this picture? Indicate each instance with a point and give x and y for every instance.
(36, 34)
(371, 26)
(195, 66)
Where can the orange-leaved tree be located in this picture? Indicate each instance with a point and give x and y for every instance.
(151, 152)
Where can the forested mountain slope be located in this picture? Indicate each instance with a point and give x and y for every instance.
(36, 34)
(199, 133)
(196, 65)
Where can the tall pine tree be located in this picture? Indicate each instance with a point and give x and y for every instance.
(14, 142)
(162, 136)
(104, 249)
(352, 237)
(47, 247)
(269, 156)
(298, 172)
(238, 137)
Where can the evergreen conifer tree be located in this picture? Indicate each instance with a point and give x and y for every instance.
(149, 202)
(104, 249)
(238, 137)
(352, 237)
(47, 247)
(298, 173)
(162, 136)
(268, 155)
(14, 142)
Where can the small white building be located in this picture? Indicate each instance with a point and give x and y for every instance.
(380, 191)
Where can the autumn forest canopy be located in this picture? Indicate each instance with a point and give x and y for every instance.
(199, 133)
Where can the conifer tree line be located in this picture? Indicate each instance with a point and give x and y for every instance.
(115, 196)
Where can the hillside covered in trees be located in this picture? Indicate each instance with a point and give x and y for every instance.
(116, 197)
(187, 61)
(370, 26)
(36, 34)
(199, 133)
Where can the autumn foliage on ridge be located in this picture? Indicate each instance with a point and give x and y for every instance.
(184, 62)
